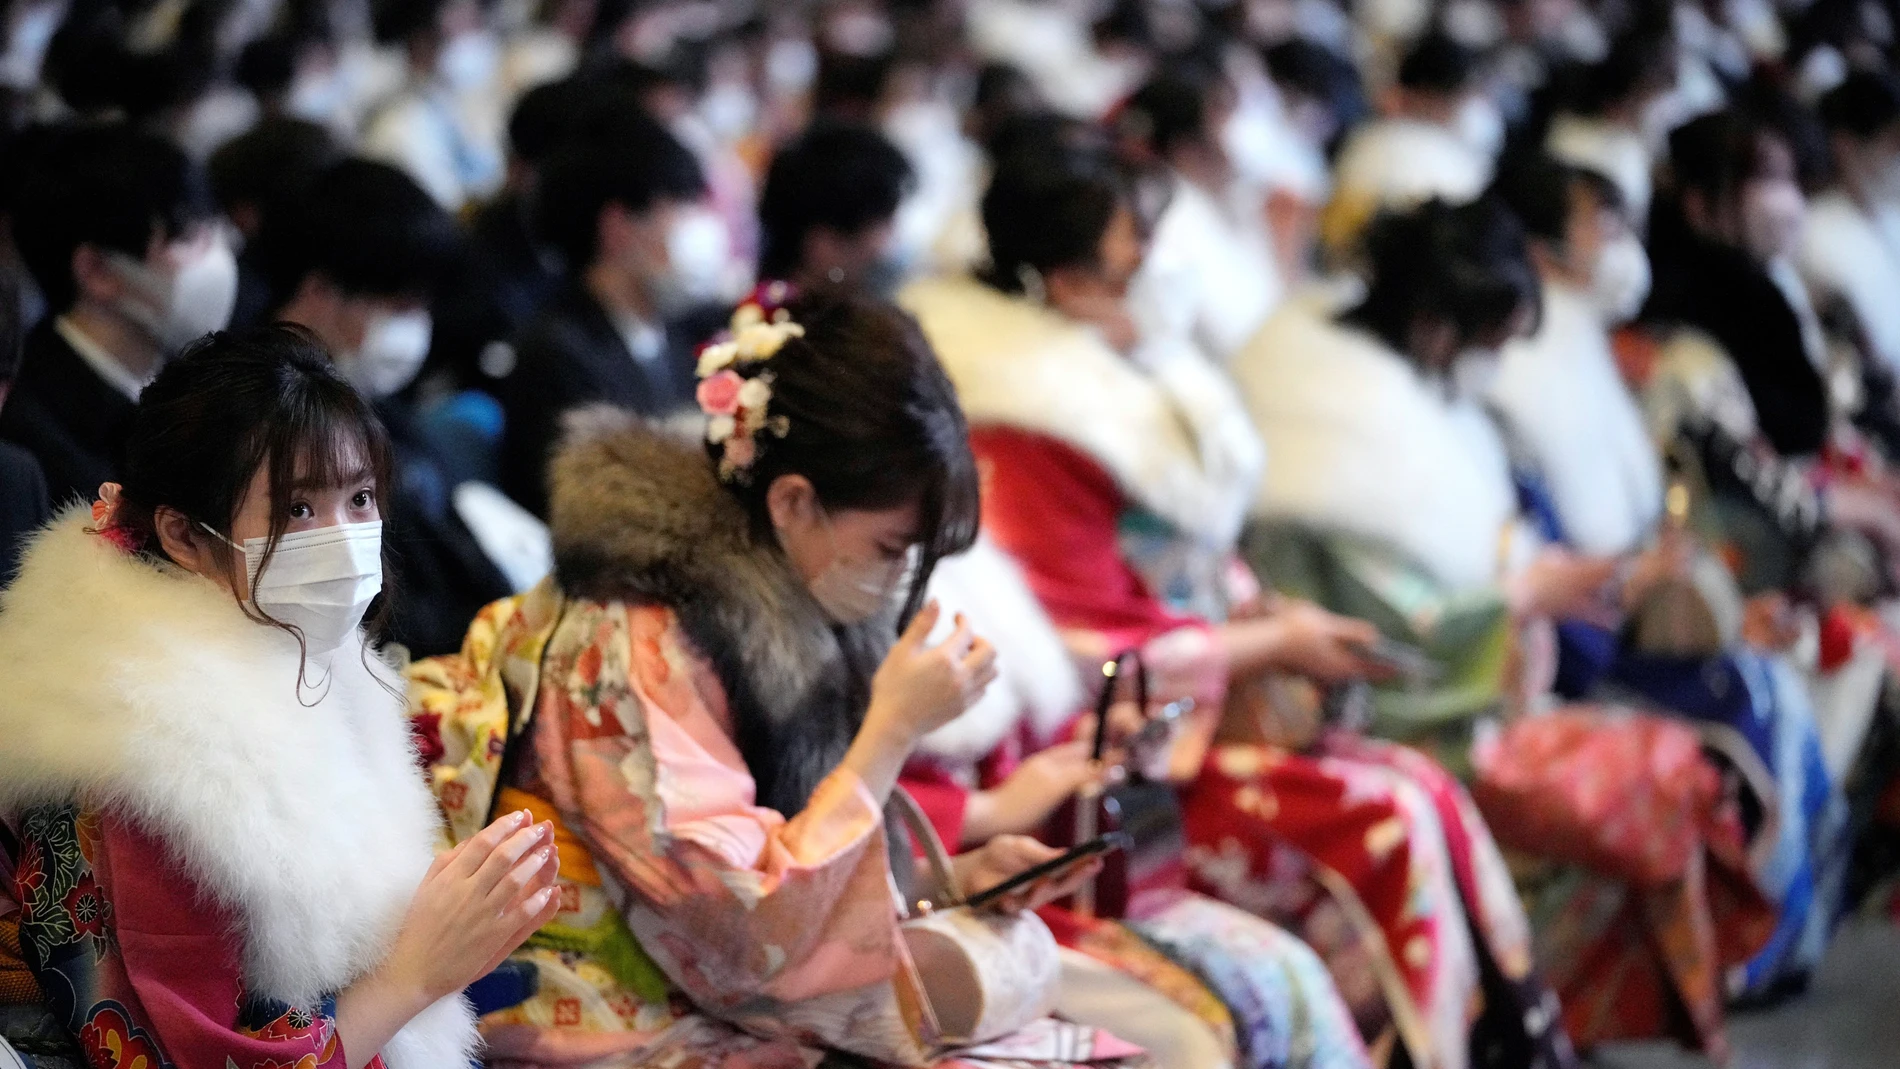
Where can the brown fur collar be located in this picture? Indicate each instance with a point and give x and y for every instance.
(638, 516)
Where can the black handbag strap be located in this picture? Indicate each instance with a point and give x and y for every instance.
(1113, 672)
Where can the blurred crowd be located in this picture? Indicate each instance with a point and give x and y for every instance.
(1477, 420)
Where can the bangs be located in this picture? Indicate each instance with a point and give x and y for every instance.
(327, 439)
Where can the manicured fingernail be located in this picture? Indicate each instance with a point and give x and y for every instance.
(540, 901)
(519, 817)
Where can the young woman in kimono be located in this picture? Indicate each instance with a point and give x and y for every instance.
(707, 700)
(1118, 472)
(215, 833)
(1391, 498)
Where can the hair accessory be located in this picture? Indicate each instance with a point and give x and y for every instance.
(735, 389)
(105, 520)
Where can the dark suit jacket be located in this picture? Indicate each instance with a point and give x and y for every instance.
(71, 420)
(571, 357)
(1721, 291)
(23, 505)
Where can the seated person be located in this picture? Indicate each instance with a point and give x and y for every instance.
(828, 211)
(211, 821)
(355, 261)
(623, 328)
(117, 229)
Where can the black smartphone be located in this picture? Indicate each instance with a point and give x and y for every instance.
(1099, 846)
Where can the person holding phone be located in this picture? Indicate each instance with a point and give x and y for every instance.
(213, 823)
(715, 692)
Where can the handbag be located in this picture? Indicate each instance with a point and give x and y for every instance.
(984, 974)
(1143, 809)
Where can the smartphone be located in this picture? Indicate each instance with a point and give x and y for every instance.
(1058, 866)
(1409, 663)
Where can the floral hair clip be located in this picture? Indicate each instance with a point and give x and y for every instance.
(735, 390)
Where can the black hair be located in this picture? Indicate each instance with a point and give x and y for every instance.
(1047, 207)
(367, 228)
(96, 73)
(270, 165)
(545, 118)
(12, 329)
(1538, 190)
(1467, 264)
(1171, 109)
(268, 65)
(623, 157)
(1641, 58)
(1438, 64)
(1863, 106)
(1716, 154)
(395, 22)
(110, 186)
(845, 177)
(849, 85)
(1319, 72)
(233, 404)
(872, 420)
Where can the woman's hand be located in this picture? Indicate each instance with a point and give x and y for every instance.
(1006, 855)
(919, 687)
(1563, 586)
(478, 902)
(1031, 793)
(1302, 638)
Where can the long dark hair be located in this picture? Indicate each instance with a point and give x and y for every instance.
(233, 404)
(1467, 264)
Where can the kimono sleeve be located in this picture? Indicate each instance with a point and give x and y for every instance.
(734, 901)
(1058, 513)
(140, 967)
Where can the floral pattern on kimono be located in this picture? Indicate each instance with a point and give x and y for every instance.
(138, 967)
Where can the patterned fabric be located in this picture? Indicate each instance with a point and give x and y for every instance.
(138, 970)
(784, 930)
(1376, 856)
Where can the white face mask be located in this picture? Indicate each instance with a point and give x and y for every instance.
(1475, 372)
(469, 62)
(851, 592)
(1619, 281)
(698, 251)
(1251, 142)
(1773, 216)
(31, 34)
(178, 308)
(729, 110)
(1884, 185)
(1480, 126)
(320, 581)
(318, 97)
(394, 346)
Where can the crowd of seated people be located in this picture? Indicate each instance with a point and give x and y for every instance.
(962, 533)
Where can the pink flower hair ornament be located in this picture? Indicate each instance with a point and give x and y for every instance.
(735, 387)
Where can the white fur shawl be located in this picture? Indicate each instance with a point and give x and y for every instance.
(142, 690)
(1169, 429)
(1363, 443)
(1566, 404)
(1037, 681)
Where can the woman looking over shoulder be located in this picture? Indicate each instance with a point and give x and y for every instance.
(222, 845)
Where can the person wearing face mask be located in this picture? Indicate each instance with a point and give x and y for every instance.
(1119, 473)
(220, 845)
(827, 214)
(1851, 253)
(118, 232)
(622, 205)
(1438, 136)
(355, 260)
(444, 125)
(1621, 115)
(1390, 493)
(1559, 391)
(1211, 272)
(737, 611)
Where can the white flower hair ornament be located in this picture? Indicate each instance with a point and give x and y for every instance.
(735, 387)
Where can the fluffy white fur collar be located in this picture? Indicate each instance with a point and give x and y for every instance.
(1037, 683)
(143, 690)
(1567, 407)
(1170, 429)
(1364, 444)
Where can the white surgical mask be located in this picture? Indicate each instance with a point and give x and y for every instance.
(1475, 372)
(320, 581)
(851, 592)
(318, 97)
(32, 32)
(1885, 184)
(1619, 281)
(730, 110)
(698, 252)
(1480, 126)
(469, 62)
(1251, 142)
(1773, 215)
(394, 346)
(178, 308)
